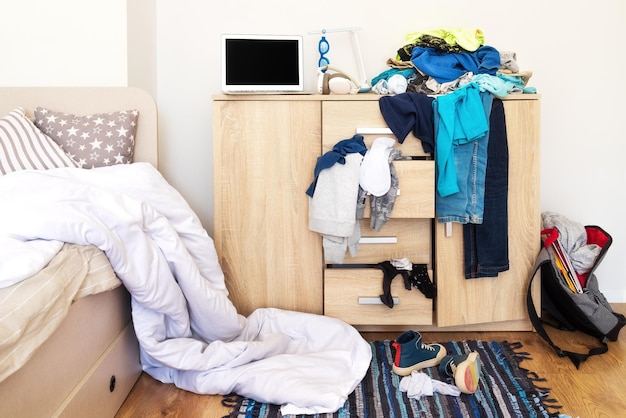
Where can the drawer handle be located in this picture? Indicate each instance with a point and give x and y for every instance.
(378, 240)
(374, 131)
(375, 301)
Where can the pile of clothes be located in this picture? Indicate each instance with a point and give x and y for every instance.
(446, 86)
(439, 61)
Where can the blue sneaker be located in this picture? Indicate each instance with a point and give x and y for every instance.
(412, 354)
(464, 369)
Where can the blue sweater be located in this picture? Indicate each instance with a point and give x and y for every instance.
(448, 66)
(337, 155)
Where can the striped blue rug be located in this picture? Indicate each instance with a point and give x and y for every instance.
(505, 390)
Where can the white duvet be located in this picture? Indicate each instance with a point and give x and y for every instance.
(189, 331)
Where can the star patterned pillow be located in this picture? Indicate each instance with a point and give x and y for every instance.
(96, 140)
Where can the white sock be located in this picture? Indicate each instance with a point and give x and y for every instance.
(375, 175)
(419, 384)
(397, 84)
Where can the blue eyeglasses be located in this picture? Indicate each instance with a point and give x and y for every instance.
(323, 47)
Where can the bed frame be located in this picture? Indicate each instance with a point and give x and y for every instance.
(91, 362)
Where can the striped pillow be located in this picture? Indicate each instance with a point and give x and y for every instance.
(23, 146)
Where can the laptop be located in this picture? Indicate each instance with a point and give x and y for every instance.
(262, 64)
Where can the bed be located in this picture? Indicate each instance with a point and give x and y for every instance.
(89, 359)
(185, 329)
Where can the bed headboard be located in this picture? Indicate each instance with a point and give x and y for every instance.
(87, 100)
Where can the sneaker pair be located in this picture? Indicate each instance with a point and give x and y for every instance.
(412, 354)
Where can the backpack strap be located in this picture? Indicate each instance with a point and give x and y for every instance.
(576, 358)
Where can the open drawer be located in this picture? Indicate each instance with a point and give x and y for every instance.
(398, 238)
(353, 295)
(416, 190)
(343, 119)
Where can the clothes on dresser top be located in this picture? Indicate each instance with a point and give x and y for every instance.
(332, 205)
(408, 112)
(443, 59)
(502, 85)
(448, 39)
(401, 65)
(416, 84)
(337, 155)
(396, 84)
(432, 86)
(486, 245)
(508, 61)
(444, 66)
(390, 72)
(518, 80)
(427, 41)
(493, 84)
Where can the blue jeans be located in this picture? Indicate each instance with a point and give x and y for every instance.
(470, 161)
(486, 245)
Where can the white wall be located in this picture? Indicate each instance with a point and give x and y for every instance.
(63, 43)
(575, 51)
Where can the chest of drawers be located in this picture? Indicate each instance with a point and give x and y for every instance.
(265, 149)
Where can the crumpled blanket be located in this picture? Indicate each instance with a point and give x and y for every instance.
(189, 331)
(573, 238)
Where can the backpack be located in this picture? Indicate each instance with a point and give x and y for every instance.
(573, 301)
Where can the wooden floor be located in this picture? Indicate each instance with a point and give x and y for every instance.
(596, 390)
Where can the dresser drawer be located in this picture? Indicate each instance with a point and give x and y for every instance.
(353, 295)
(416, 190)
(398, 238)
(341, 120)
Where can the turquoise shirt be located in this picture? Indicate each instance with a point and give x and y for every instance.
(462, 119)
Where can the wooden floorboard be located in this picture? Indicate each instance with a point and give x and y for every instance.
(596, 390)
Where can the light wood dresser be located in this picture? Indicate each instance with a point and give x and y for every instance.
(265, 151)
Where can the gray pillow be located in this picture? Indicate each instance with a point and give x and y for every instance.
(95, 140)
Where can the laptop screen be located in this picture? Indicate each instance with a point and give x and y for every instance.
(260, 63)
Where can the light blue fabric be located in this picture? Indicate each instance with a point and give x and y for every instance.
(387, 74)
(468, 158)
(461, 119)
(494, 84)
(502, 85)
(518, 83)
